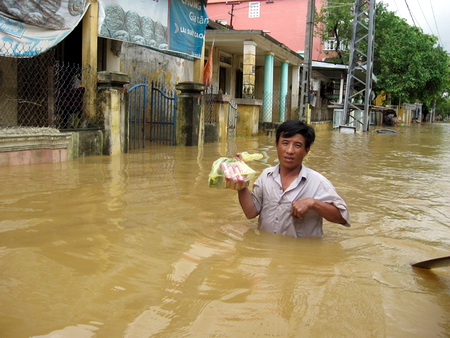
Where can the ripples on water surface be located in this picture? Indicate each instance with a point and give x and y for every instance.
(138, 245)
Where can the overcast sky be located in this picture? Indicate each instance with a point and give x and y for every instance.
(433, 16)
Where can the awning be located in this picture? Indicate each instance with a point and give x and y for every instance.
(232, 42)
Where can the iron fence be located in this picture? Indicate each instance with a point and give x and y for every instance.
(42, 91)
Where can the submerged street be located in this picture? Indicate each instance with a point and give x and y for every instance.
(138, 245)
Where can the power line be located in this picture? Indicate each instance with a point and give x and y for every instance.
(395, 2)
(409, 10)
(423, 13)
(340, 5)
(426, 21)
(435, 23)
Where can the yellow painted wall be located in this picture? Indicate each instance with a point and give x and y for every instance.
(321, 126)
(248, 121)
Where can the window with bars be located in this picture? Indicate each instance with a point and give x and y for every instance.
(253, 9)
(332, 43)
(225, 58)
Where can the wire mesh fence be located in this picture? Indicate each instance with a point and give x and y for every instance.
(42, 91)
(209, 99)
(275, 108)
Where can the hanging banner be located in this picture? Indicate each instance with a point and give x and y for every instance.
(141, 22)
(28, 28)
(177, 26)
(188, 20)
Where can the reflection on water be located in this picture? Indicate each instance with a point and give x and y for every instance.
(137, 245)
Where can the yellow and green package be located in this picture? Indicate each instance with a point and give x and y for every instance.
(251, 157)
(230, 173)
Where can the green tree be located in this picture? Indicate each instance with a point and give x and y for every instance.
(407, 62)
(333, 22)
(443, 107)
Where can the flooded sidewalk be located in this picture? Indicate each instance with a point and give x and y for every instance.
(138, 245)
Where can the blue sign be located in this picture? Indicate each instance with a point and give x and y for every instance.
(188, 20)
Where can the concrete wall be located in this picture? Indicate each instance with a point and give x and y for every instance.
(248, 120)
(137, 61)
(20, 146)
(321, 126)
(85, 143)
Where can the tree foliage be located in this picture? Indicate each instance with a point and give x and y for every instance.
(333, 22)
(408, 63)
(443, 107)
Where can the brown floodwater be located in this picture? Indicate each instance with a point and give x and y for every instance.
(138, 245)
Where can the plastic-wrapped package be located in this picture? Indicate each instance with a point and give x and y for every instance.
(230, 173)
(251, 157)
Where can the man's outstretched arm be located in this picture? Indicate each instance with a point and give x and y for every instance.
(246, 201)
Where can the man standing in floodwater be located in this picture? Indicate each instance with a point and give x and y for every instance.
(290, 198)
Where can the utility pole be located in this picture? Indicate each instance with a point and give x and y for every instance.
(361, 61)
(307, 64)
(232, 12)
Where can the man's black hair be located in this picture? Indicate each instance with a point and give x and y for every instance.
(292, 127)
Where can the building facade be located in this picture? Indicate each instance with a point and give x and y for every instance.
(284, 20)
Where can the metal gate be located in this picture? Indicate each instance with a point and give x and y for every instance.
(152, 114)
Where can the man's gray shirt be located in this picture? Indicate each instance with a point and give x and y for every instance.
(274, 205)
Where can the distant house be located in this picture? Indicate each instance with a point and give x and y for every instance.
(284, 20)
(257, 72)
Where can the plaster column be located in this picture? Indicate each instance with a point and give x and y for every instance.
(268, 87)
(283, 89)
(248, 76)
(190, 123)
(89, 57)
(199, 67)
(341, 88)
(113, 107)
(295, 91)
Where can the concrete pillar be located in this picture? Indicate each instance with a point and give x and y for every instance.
(248, 71)
(268, 87)
(341, 88)
(199, 67)
(89, 57)
(113, 106)
(283, 89)
(189, 107)
(295, 91)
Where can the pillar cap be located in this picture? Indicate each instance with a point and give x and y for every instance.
(190, 87)
(112, 78)
(250, 42)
